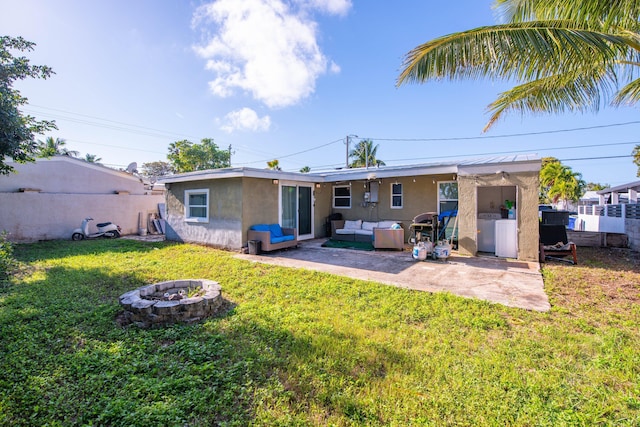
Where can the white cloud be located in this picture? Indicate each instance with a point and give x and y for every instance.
(245, 119)
(266, 48)
(333, 7)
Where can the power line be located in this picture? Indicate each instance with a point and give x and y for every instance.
(461, 138)
(520, 151)
(158, 132)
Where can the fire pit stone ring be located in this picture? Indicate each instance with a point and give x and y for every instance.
(175, 301)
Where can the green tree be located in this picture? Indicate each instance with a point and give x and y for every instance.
(636, 158)
(92, 158)
(559, 183)
(595, 186)
(17, 130)
(274, 165)
(562, 55)
(305, 169)
(153, 170)
(55, 147)
(186, 156)
(364, 154)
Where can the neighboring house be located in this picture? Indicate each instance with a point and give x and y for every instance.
(47, 199)
(616, 211)
(217, 207)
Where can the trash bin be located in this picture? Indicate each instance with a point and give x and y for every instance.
(555, 217)
(254, 247)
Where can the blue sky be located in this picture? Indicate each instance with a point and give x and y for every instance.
(284, 80)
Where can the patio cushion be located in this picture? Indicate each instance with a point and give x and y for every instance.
(260, 227)
(367, 225)
(386, 224)
(353, 225)
(344, 231)
(282, 238)
(275, 230)
(363, 232)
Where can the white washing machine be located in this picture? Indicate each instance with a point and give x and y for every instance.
(487, 231)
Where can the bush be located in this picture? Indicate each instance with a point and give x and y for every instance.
(7, 263)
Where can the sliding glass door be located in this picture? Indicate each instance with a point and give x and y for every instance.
(296, 208)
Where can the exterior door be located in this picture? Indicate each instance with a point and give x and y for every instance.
(296, 208)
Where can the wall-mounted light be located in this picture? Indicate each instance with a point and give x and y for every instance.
(433, 181)
(414, 180)
(275, 181)
(317, 185)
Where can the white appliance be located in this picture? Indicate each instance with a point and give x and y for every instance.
(507, 238)
(487, 231)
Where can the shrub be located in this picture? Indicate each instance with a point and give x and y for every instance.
(7, 263)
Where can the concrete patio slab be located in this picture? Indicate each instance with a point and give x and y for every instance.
(509, 282)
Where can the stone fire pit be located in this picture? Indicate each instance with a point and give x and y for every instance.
(176, 301)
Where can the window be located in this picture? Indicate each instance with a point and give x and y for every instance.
(396, 196)
(447, 196)
(342, 196)
(196, 205)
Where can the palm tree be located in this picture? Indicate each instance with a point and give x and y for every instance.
(274, 165)
(54, 147)
(92, 158)
(305, 169)
(559, 182)
(364, 154)
(564, 55)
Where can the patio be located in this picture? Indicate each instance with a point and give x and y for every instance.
(509, 282)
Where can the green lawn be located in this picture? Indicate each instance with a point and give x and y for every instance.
(305, 348)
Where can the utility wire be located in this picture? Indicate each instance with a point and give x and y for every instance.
(506, 135)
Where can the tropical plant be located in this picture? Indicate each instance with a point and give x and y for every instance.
(559, 183)
(274, 165)
(92, 158)
(16, 129)
(636, 158)
(563, 55)
(595, 186)
(186, 156)
(54, 147)
(364, 155)
(305, 169)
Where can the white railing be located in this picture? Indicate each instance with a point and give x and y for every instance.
(606, 218)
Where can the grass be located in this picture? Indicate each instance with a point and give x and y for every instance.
(305, 348)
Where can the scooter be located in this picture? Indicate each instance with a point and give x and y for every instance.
(105, 229)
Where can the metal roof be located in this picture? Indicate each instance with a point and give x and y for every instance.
(469, 166)
(621, 188)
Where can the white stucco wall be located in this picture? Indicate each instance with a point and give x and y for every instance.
(62, 174)
(29, 217)
(62, 191)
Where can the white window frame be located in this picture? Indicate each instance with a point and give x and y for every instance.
(440, 200)
(333, 198)
(187, 206)
(401, 195)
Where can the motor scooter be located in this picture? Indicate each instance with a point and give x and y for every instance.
(105, 229)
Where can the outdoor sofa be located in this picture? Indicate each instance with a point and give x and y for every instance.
(273, 237)
(382, 234)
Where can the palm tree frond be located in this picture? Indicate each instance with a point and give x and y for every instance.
(608, 13)
(521, 51)
(579, 92)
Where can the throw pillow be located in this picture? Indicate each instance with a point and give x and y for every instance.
(275, 230)
(353, 225)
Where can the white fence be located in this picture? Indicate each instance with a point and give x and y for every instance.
(620, 218)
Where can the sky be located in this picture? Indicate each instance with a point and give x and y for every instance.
(286, 80)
